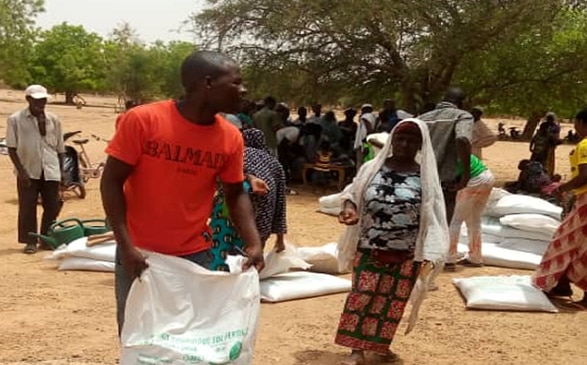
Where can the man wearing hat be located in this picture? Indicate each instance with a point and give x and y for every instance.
(35, 146)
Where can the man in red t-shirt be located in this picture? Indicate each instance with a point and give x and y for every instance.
(160, 177)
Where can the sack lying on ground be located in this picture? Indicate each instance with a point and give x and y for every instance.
(279, 263)
(531, 223)
(85, 264)
(324, 259)
(492, 225)
(181, 313)
(505, 293)
(524, 245)
(299, 285)
(495, 255)
(78, 248)
(522, 204)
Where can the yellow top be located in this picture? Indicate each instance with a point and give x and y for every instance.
(578, 157)
(323, 162)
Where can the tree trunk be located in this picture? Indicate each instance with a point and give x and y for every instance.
(69, 97)
(531, 125)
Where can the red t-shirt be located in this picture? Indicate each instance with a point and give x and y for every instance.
(176, 164)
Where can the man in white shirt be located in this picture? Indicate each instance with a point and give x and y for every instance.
(35, 146)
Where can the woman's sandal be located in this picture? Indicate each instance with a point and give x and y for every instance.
(580, 305)
(389, 358)
(468, 263)
(355, 358)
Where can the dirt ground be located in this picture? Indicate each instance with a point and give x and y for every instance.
(51, 317)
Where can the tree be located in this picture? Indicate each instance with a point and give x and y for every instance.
(542, 71)
(69, 59)
(170, 56)
(411, 49)
(17, 32)
(142, 73)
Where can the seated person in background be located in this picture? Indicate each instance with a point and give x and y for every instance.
(534, 180)
(321, 173)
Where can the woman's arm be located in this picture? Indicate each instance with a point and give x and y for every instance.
(577, 182)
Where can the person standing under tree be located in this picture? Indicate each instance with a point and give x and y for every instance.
(35, 146)
(163, 164)
(451, 132)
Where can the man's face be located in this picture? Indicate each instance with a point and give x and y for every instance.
(476, 114)
(36, 106)
(225, 92)
(389, 105)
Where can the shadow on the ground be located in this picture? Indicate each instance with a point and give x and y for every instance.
(321, 357)
(10, 251)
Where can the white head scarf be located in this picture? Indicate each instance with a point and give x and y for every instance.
(433, 237)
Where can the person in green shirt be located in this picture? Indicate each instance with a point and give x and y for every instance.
(268, 121)
(471, 202)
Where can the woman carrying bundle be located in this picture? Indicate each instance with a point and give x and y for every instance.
(396, 221)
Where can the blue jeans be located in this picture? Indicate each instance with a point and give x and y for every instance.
(122, 281)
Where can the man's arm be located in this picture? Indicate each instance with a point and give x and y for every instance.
(20, 170)
(464, 155)
(12, 144)
(464, 135)
(242, 214)
(116, 172)
(114, 176)
(60, 145)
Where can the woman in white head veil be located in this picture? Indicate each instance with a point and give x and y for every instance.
(396, 240)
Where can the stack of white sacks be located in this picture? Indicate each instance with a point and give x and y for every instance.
(517, 230)
(284, 278)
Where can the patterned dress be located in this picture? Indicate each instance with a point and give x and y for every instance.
(270, 209)
(381, 288)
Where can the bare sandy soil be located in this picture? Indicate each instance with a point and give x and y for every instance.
(51, 317)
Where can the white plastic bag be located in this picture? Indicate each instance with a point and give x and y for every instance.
(180, 313)
(299, 285)
(506, 293)
(282, 262)
(492, 226)
(324, 259)
(102, 252)
(73, 263)
(524, 245)
(531, 223)
(496, 255)
(522, 204)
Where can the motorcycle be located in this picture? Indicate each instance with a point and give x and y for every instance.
(72, 179)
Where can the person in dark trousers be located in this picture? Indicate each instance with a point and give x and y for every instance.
(161, 202)
(451, 132)
(35, 146)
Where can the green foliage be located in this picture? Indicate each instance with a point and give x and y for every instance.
(68, 59)
(507, 53)
(142, 73)
(17, 33)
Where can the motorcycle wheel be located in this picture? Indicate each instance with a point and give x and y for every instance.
(78, 189)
